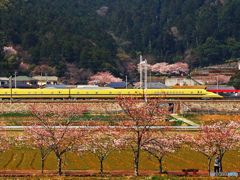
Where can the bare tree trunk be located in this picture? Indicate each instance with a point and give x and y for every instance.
(59, 165)
(42, 168)
(136, 159)
(209, 164)
(220, 165)
(101, 169)
(160, 165)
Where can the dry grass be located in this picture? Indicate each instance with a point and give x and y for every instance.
(209, 118)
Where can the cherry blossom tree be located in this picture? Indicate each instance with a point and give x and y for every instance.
(215, 139)
(165, 68)
(212, 79)
(53, 130)
(162, 145)
(149, 67)
(5, 141)
(103, 79)
(202, 143)
(138, 118)
(160, 68)
(36, 141)
(102, 142)
(227, 138)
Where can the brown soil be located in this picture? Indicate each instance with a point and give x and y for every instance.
(92, 173)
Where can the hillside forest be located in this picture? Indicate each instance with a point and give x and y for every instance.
(70, 38)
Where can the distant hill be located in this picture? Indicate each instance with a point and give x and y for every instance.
(90, 33)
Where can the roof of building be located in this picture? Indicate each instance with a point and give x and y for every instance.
(24, 78)
(57, 86)
(91, 87)
(220, 87)
(18, 85)
(156, 85)
(43, 78)
(118, 84)
(4, 79)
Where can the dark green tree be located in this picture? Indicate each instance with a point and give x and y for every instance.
(235, 80)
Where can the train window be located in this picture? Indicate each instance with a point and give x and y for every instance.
(176, 92)
(155, 93)
(52, 93)
(15, 92)
(87, 93)
(77, 92)
(191, 92)
(129, 93)
(182, 92)
(96, 92)
(35, 92)
(41, 92)
(110, 92)
(173, 92)
(5, 92)
(29, 92)
(119, 92)
(198, 92)
(135, 92)
(170, 92)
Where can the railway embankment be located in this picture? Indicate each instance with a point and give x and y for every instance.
(184, 106)
(96, 107)
(212, 107)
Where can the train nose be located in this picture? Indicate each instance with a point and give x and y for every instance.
(212, 95)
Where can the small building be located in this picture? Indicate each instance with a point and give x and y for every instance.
(182, 82)
(120, 85)
(42, 80)
(18, 85)
(25, 80)
(3, 81)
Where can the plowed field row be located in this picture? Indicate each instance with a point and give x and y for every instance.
(25, 159)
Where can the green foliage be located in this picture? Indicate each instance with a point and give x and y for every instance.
(77, 34)
(235, 80)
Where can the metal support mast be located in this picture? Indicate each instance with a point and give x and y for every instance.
(145, 77)
(140, 71)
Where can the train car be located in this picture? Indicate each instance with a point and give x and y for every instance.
(183, 93)
(141, 93)
(34, 93)
(106, 93)
(226, 92)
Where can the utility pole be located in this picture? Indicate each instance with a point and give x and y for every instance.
(126, 81)
(145, 80)
(15, 79)
(41, 78)
(140, 71)
(46, 78)
(10, 86)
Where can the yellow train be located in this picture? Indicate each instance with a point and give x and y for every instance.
(106, 93)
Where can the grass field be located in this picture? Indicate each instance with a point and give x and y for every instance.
(29, 159)
(26, 159)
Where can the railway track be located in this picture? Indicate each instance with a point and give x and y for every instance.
(109, 100)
